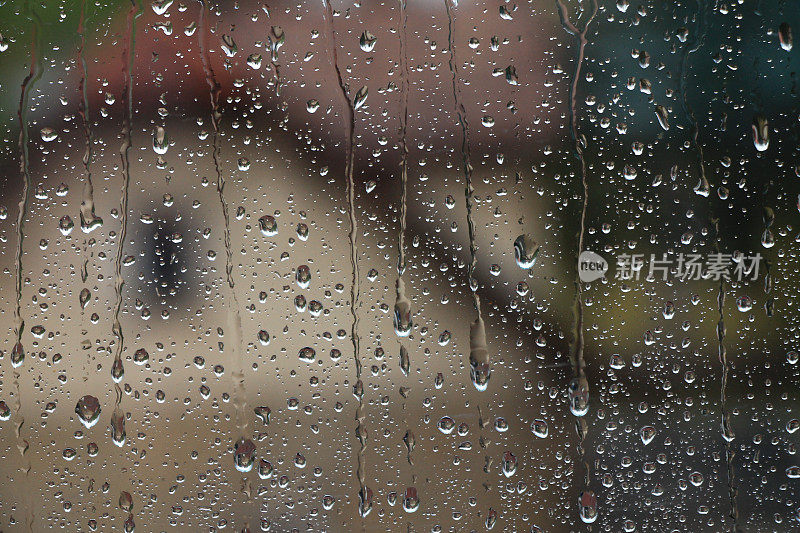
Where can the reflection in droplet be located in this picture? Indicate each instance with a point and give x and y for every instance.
(579, 396)
(244, 455)
(367, 41)
(760, 133)
(268, 225)
(539, 428)
(525, 251)
(88, 410)
(588, 506)
(410, 500)
(785, 36)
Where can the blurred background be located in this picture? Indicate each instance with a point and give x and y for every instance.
(187, 187)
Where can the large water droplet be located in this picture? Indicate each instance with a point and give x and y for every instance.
(647, 433)
(402, 311)
(539, 428)
(88, 410)
(785, 36)
(49, 134)
(509, 464)
(160, 141)
(760, 133)
(525, 251)
(587, 503)
(367, 41)
(361, 97)
(244, 455)
(480, 366)
(410, 500)
(579, 396)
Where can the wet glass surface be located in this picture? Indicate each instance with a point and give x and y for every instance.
(399, 266)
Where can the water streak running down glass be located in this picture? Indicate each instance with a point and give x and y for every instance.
(399, 266)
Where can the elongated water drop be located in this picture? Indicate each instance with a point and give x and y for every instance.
(244, 455)
(760, 133)
(262, 413)
(160, 141)
(361, 97)
(480, 366)
(364, 501)
(402, 311)
(303, 276)
(118, 428)
(351, 104)
(234, 313)
(17, 355)
(410, 500)
(491, 518)
(89, 220)
(125, 501)
(410, 441)
(785, 36)
(405, 360)
(587, 502)
(509, 464)
(579, 396)
(663, 117)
